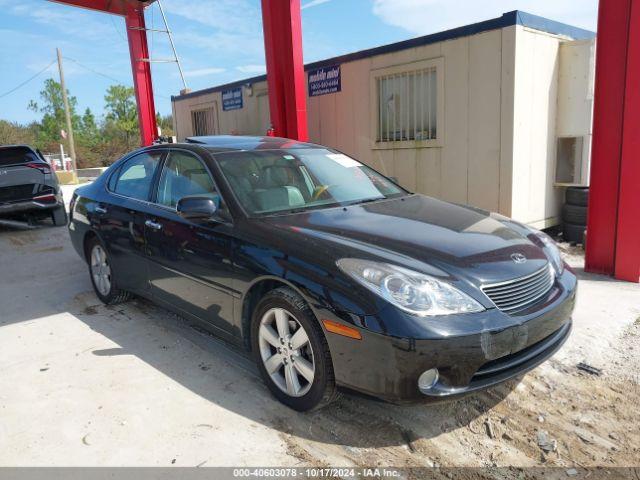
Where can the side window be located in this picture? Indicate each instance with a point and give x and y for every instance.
(183, 175)
(113, 180)
(136, 176)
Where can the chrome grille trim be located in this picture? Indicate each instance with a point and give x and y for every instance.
(514, 295)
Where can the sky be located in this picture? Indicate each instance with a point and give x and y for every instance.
(218, 41)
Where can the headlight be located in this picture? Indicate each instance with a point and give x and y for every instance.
(552, 251)
(411, 291)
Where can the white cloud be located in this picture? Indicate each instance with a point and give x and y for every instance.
(252, 69)
(226, 15)
(203, 72)
(429, 16)
(314, 3)
(232, 26)
(72, 21)
(222, 43)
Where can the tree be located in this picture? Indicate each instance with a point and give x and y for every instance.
(165, 123)
(122, 115)
(12, 133)
(52, 108)
(99, 141)
(89, 125)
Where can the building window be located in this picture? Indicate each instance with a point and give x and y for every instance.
(202, 122)
(408, 101)
(572, 165)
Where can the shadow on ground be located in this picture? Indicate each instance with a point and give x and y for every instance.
(44, 259)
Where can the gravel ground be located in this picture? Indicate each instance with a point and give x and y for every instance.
(85, 384)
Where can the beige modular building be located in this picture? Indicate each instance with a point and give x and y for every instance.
(496, 114)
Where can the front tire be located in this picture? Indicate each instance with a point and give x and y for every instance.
(101, 274)
(291, 351)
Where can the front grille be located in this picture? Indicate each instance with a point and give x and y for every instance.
(517, 294)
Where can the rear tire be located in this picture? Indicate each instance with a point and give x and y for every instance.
(101, 274)
(578, 196)
(59, 216)
(574, 214)
(573, 233)
(277, 348)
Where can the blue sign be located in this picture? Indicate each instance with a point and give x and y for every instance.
(232, 99)
(324, 80)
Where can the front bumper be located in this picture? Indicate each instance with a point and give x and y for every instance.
(388, 367)
(502, 369)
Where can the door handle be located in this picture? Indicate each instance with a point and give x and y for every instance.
(153, 225)
(100, 210)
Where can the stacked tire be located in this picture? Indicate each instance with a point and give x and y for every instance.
(574, 214)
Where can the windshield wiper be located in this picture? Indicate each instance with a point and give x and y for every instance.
(306, 208)
(364, 200)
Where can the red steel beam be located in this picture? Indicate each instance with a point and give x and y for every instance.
(133, 13)
(108, 6)
(627, 266)
(116, 7)
(138, 51)
(611, 246)
(285, 68)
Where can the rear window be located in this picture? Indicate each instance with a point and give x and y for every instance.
(16, 156)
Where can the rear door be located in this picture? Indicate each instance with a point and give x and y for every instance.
(23, 175)
(120, 216)
(190, 261)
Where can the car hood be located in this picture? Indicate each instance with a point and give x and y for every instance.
(424, 234)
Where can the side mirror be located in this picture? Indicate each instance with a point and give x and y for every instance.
(198, 208)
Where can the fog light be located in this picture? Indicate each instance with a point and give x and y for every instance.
(428, 379)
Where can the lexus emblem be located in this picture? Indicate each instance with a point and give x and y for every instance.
(518, 258)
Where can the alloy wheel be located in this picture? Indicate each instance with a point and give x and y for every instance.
(100, 270)
(286, 352)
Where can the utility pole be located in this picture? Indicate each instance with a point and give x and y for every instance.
(67, 113)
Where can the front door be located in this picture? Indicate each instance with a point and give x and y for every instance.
(190, 262)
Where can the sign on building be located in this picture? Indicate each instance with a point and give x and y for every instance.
(232, 99)
(324, 80)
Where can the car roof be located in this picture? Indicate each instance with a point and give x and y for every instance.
(5, 147)
(230, 143)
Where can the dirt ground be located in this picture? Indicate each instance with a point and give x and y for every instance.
(85, 384)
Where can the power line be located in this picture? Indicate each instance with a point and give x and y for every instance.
(27, 81)
(92, 70)
(118, 32)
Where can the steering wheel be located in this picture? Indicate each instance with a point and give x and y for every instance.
(319, 190)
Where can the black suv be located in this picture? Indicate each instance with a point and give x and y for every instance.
(28, 186)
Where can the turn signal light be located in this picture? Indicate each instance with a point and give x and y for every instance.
(340, 329)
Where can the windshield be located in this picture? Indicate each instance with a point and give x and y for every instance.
(272, 181)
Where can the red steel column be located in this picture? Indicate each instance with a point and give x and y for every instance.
(613, 233)
(139, 50)
(628, 234)
(285, 69)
